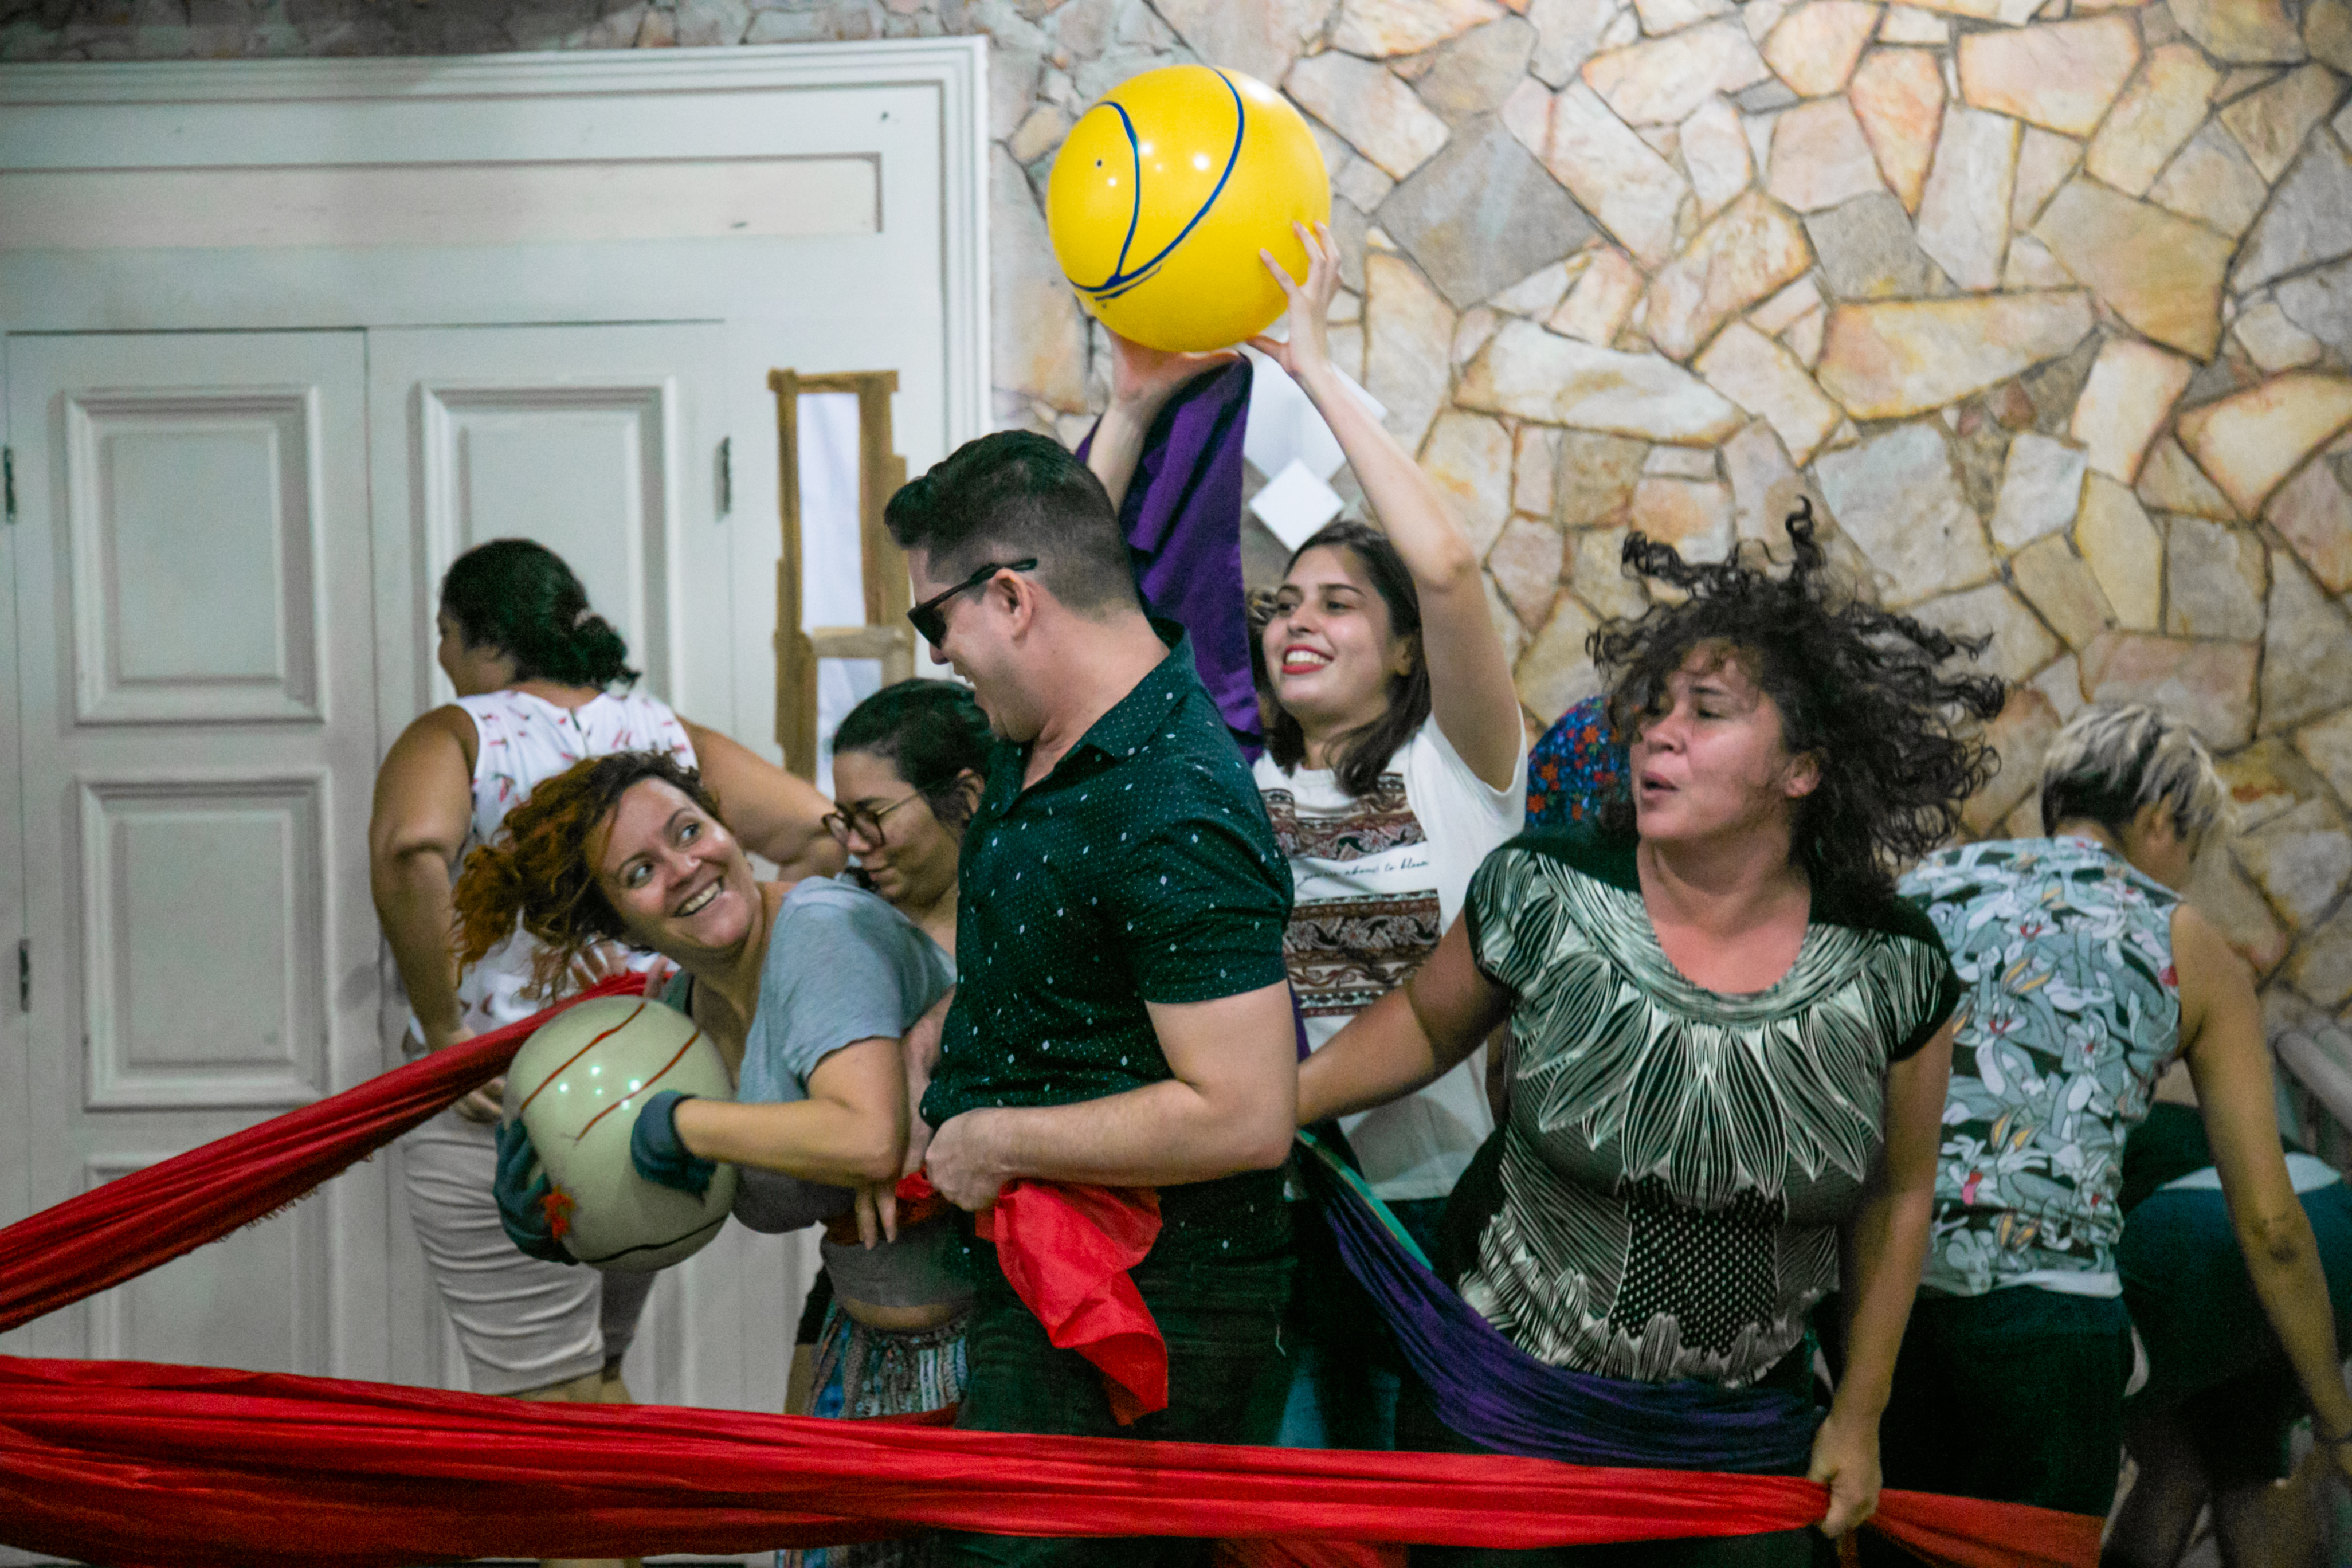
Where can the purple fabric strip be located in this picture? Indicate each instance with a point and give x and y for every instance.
(1182, 519)
(1494, 1394)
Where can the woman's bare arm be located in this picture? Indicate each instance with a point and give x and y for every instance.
(1409, 1038)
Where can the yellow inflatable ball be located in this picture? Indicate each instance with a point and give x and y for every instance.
(1165, 192)
(577, 1085)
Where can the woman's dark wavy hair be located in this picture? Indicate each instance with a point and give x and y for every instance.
(537, 869)
(932, 732)
(1362, 754)
(517, 596)
(1860, 688)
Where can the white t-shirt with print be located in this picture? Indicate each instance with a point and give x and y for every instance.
(1377, 879)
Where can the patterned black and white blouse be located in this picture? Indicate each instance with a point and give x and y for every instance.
(1663, 1201)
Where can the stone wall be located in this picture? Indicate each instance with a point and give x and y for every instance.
(2048, 306)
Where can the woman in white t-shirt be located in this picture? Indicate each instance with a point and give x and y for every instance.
(542, 682)
(1396, 759)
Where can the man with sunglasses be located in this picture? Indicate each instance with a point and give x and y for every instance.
(1124, 1017)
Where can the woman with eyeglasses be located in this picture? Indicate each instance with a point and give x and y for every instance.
(807, 987)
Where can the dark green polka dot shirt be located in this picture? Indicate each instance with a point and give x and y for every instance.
(1140, 869)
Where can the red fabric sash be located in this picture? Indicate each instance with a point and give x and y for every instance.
(133, 1464)
(1066, 1251)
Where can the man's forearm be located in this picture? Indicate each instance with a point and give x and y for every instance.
(412, 902)
(1161, 1135)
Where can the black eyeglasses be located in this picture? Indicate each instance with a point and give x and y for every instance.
(925, 617)
(863, 821)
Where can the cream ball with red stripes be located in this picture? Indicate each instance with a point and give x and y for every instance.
(578, 1085)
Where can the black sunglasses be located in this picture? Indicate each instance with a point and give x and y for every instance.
(926, 618)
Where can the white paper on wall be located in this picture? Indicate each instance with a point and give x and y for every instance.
(1284, 427)
(1295, 503)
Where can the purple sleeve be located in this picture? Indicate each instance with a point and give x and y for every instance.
(1182, 519)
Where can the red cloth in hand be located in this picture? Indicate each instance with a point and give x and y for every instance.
(1065, 1250)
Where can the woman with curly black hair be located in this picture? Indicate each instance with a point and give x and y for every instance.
(1733, 1038)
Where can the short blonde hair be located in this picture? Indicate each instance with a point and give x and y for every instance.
(2111, 760)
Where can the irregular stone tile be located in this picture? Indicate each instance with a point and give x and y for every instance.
(2309, 219)
(1763, 99)
(1554, 675)
(1747, 253)
(2315, 516)
(1766, 380)
(2322, 966)
(2320, 303)
(2054, 388)
(1568, 34)
(2062, 684)
(2214, 182)
(1898, 97)
(1260, 39)
(1660, 81)
(1472, 331)
(2307, 650)
(1895, 496)
(1964, 211)
(1525, 565)
(1805, 336)
(2266, 781)
(1885, 361)
(2021, 643)
(2061, 77)
(2044, 159)
(1366, 104)
(2327, 746)
(1715, 152)
(1597, 476)
(2219, 892)
(1820, 157)
(2272, 124)
(1540, 291)
(1046, 358)
(1362, 182)
(2210, 685)
(1665, 141)
(2273, 341)
(1348, 349)
(2170, 482)
(1660, 17)
(1868, 252)
(1760, 16)
(2040, 490)
(1783, 309)
(1506, 619)
(1384, 27)
(1469, 458)
(2243, 80)
(1815, 46)
(2157, 115)
(2327, 33)
(2030, 266)
(1765, 484)
(1692, 515)
(2159, 272)
(1611, 172)
(2241, 32)
(1482, 214)
(1911, 25)
(2009, 13)
(1680, 462)
(2214, 580)
(1408, 333)
(2131, 388)
(2251, 441)
(1602, 296)
(1476, 71)
(2019, 735)
(1536, 375)
(1535, 468)
(1596, 570)
(2124, 552)
(2055, 582)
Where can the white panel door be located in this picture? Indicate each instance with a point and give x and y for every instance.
(198, 738)
(603, 444)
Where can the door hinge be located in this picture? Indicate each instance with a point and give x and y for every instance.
(25, 975)
(8, 478)
(726, 475)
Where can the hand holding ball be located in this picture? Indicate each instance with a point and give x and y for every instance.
(577, 1089)
(1165, 192)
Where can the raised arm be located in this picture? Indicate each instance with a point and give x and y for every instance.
(416, 829)
(1470, 687)
(772, 812)
(2221, 1027)
(1142, 380)
(1882, 1250)
(1228, 1108)
(1409, 1038)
